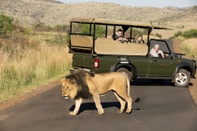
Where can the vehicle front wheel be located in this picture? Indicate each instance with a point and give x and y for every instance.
(182, 78)
(129, 74)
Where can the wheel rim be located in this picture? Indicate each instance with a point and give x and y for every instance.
(181, 78)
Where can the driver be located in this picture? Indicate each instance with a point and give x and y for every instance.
(154, 52)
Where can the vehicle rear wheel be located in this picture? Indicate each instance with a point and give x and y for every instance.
(182, 78)
(129, 74)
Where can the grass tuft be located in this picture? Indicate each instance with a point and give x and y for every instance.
(189, 46)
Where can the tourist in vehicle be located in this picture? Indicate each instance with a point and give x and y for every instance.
(139, 39)
(154, 52)
(118, 36)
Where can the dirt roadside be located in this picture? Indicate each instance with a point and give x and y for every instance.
(193, 87)
(193, 90)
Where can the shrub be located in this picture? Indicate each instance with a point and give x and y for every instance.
(187, 34)
(59, 39)
(137, 32)
(99, 31)
(190, 34)
(57, 28)
(61, 28)
(6, 25)
(177, 34)
(39, 26)
(158, 35)
(85, 29)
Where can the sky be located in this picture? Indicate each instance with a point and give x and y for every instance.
(142, 3)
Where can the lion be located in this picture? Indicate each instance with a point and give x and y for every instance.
(82, 84)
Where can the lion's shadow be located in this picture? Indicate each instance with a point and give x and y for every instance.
(91, 106)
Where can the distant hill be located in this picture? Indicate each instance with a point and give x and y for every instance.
(53, 12)
(186, 15)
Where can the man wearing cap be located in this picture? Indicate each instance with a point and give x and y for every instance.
(154, 52)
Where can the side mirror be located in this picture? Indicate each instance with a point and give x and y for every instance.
(150, 30)
(171, 56)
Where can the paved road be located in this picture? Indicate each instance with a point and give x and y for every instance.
(162, 108)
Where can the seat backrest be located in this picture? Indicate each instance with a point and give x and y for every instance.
(88, 40)
(79, 41)
(109, 46)
(74, 40)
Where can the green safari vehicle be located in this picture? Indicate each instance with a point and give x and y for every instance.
(104, 54)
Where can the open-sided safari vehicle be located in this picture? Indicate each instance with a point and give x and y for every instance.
(104, 54)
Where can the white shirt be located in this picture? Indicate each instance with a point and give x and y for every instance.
(154, 53)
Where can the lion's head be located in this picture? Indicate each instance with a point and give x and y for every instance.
(69, 88)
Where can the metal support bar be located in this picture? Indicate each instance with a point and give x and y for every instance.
(106, 28)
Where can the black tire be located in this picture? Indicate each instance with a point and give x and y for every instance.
(182, 78)
(129, 74)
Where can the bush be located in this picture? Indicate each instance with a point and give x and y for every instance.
(57, 28)
(39, 26)
(59, 39)
(136, 32)
(179, 33)
(158, 35)
(187, 34)
(100, 30)
(61, 28)
(6, 25)
(190, 34)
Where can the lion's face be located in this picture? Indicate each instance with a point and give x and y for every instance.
(69, 88)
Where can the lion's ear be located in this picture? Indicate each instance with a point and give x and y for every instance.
(72, 81)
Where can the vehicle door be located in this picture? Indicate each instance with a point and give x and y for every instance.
(159, 66)
(141, 63)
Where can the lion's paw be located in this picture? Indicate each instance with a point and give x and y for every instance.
(72, 113)
(120, 111)
(101, 112)
(128, 111)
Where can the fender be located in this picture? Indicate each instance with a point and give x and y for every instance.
(184, 65)
(128, 66)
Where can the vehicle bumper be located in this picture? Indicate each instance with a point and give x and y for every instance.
(72, 70)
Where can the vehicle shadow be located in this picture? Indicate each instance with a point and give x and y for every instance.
(148, 82)
(91, 106)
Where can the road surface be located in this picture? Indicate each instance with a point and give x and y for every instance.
(162, 108)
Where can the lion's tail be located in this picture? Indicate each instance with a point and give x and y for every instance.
(128, 86)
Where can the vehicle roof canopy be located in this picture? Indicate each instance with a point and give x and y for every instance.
(118, 23)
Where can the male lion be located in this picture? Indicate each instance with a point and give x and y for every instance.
(85, 85)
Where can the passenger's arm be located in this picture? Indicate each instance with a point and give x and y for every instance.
(161, 52)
